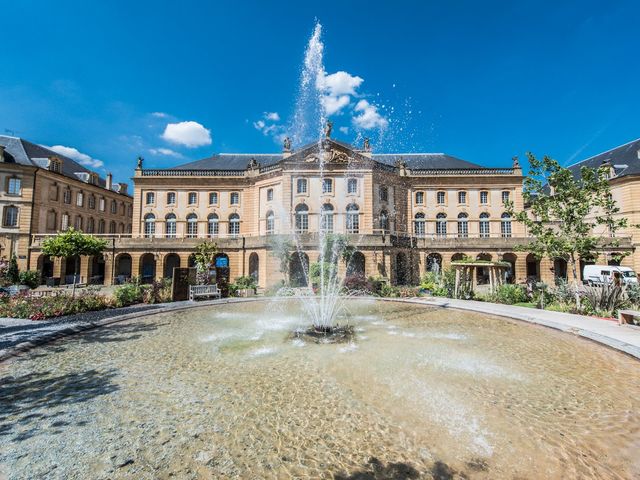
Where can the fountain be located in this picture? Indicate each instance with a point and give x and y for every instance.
(323, 301)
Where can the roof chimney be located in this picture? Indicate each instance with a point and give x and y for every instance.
(2, 153)
(109, 181)
(638, 152)
(122, 188)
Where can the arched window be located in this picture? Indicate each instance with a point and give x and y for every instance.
(418, 225)
(484, 225)
(234, 224)
(212, 225)
(170, 226)
(505, 225)
(463, 225)
(441, 225)
(112, 227)
(353, 218)
(101, 225)
(149, 225)
(121, 227)
(384, 221)
(271, 223)
(302, 218)
(78, 225)
(192, 225)
(326, 218)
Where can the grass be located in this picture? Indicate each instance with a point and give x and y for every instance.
(525, 304)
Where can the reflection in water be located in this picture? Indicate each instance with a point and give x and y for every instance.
(226, 392)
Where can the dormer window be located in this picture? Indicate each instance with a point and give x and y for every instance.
(93, 179)
(55, 165)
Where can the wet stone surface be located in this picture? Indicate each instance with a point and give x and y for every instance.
(225, 392)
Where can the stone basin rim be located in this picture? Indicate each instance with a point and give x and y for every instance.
(520, 314)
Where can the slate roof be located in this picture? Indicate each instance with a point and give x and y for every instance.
(625, 159)
(23, 152)
(238, 161)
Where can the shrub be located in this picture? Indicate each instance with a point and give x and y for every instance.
(39, 308)
(158, 292)
(13, 274)
(30, 278)
(128, 293)
(510, 294)
(357, 283)
(247, 282)
(605, 299)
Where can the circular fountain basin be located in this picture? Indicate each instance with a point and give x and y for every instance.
(227, 392)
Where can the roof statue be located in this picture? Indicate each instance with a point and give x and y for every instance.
(516, 162)
(253, 164)
(286, 146)
(400, 163)
(140, 160)
(366, 144)
(328, 128)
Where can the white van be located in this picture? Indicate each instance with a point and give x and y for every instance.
(599, 274)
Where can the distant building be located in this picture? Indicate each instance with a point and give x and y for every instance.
(43, 192)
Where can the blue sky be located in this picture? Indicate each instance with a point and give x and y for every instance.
(479, 80)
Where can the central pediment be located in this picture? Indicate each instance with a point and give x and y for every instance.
(328, 151)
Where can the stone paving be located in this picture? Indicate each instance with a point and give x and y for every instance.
(18, 335)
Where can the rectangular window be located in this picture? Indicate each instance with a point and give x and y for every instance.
(352, 186)
(15, 184)
(53, 192)
(235, 198)
(419, 198)
(78, 225)
(102, 204)
(171, 198)
(213, 198)
(52, 220)
(484, 228)
(271, 224)
(92, 202)
(80, 199)
(302, 185)
(384, 194)
(353, 222)
(193, 198)
(270, 195)
(66, 197)
(440, 198)
(65, 222)
(484, 198)
(505, 197)
(462, 198)
(327, 185)
(10, 216)
(150, 198)
(114, 206)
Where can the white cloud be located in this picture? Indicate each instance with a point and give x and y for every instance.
(339, 83)
(344, 130)
(333, 105)
(369, 117)
(159, 114)
(273, 116)
(167, 152)
(259, 125)
(190, 134)
(80, 157)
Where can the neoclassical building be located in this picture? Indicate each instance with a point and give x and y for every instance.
(42, 193)
(405, 213)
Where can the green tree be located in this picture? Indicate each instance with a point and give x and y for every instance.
(13, 273)
(565, 211)
(283, 250)
(73, 243)
(205, 257)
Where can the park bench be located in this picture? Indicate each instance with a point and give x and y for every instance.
(626, 316)
(197, 291)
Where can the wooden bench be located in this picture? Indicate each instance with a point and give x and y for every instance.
(197, 291)
(626, 316)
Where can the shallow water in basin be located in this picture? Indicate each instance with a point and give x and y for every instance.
(225, 392)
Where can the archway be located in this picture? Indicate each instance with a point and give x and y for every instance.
(482, 273)
(171, 261)
(511, 272)
(254, 266)
(148, 268)
(123, 268)
(45, 267)
(560, 269)
(70, 269)
(96, 276)
(298, 268)
(402, 269)
(456, 257)
(434, 262)
(355, 267)
(533, 267)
